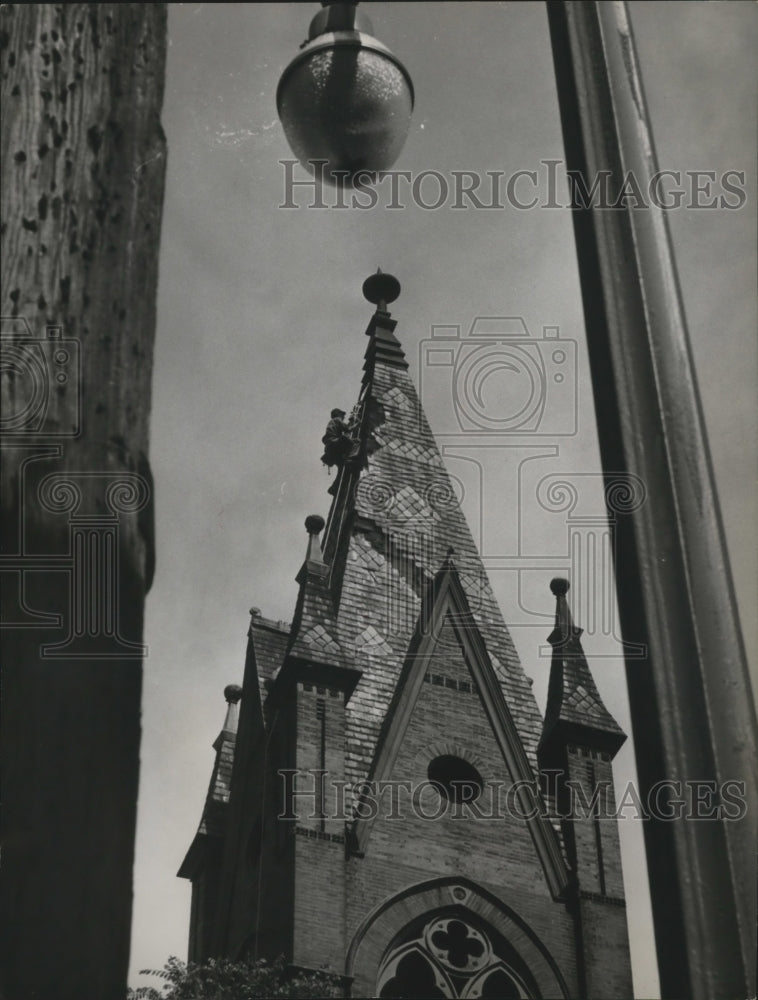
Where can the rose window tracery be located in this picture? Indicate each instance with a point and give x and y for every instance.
(457, 946)
(450, 957)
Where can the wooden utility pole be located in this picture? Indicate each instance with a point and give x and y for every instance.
(83, 164)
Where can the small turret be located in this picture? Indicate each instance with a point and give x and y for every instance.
(575, 712)
(313, 636)
(202, 863)
(579, 740)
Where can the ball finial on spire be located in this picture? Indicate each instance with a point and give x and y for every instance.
(381, 288)
(314, 524)
(232, 693)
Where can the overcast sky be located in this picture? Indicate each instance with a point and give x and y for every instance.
(260, 334)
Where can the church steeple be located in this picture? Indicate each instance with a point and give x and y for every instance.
(579, 739)
(394, 515)
(386, 817)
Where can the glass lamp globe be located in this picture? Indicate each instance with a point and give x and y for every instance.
(345, 100)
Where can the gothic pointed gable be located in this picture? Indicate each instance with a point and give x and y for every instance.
(447, 629)
(575, 711)
(394, 515)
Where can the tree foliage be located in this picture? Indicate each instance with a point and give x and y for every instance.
(247, 979)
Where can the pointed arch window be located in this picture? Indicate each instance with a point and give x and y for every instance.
(452, 956)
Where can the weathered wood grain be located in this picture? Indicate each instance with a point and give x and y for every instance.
(83, 164)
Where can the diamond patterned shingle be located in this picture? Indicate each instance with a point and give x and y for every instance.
(314, 634)
(574, 705)
(393, 519)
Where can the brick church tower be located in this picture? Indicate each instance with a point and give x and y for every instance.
(387, 800)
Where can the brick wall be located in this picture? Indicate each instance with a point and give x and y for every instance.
(496, 854)
(319, 855)
(594, 843)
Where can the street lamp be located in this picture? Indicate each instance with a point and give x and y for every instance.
(345, 100)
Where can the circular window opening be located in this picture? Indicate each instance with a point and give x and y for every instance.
(458, 780)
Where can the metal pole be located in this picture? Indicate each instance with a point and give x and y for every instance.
(692, 712)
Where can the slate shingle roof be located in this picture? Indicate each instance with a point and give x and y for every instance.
(393, 518)
(575, 710)
(214, 813)
(269, 639)
(213, 819)
(314, 634)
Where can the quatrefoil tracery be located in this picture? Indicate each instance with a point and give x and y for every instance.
(449, 958)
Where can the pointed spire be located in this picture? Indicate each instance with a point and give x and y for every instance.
(575, 712)
(381, 288)
(565, 635)
(393, 517)
(313, 636)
